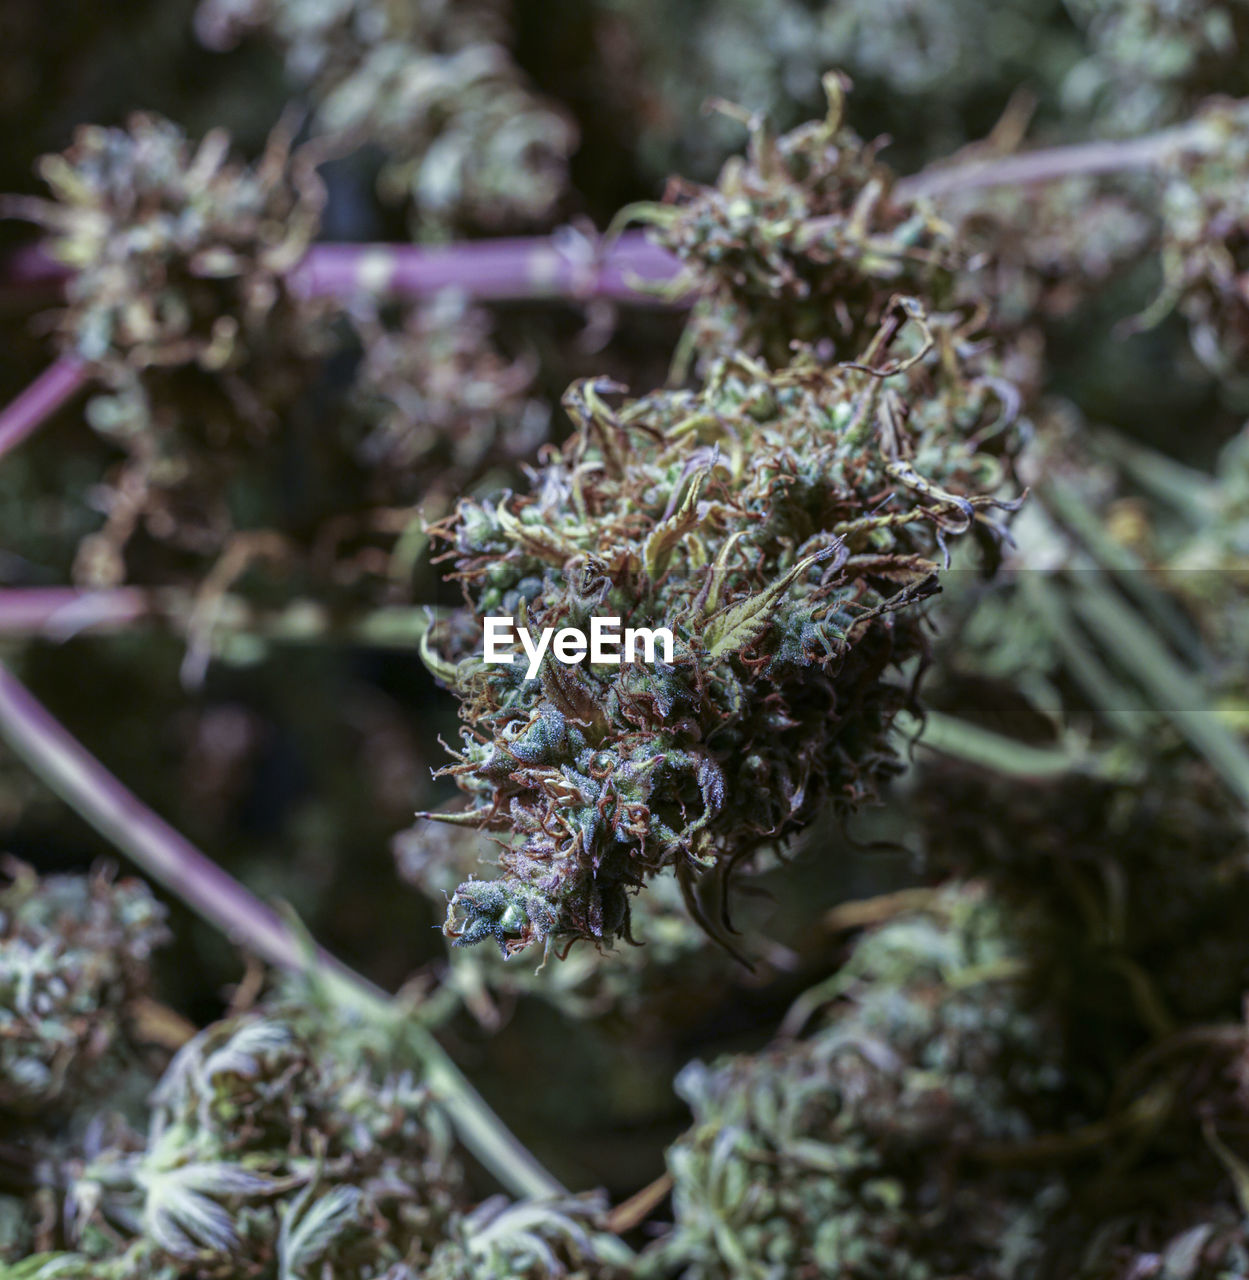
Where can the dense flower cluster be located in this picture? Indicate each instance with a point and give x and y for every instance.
(836, 1154)
(1022, 1053)
(1205, 240)
(783, 524)
(802, 241)
(554, 1240)
(437, 858)
(438, 405)
(280, 1142)
(179, 252)
(73, 952)
(185, 303)
(181, 297)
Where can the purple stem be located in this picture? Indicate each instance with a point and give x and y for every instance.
(1053, 164)
(492, 270)
(32, 266)
(168, 857)
(560, 266)
(70, 770)
(49, 391)
(61, 612)
(566, 265)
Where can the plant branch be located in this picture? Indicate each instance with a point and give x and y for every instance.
(1052, 164)
(169, 858)
(50, 390)
(962, 740)
(560, 266)
(523, 268)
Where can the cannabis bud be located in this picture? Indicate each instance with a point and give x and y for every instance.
(180, 297)
(842, 1154)
(781, 524)
(177, 250)
(563, 1239)
(1205, 239)
(434, 87)
(436, 858)
(74, 951)
(802, 240)
(438, 404)
(283, 1142)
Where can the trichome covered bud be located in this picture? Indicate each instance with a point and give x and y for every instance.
(1205, 239)
(784, 524)
(562, 1239)
(181, 298)
(439, 404)
(177, 250)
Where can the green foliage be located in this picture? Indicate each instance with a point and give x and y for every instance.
(183, 303)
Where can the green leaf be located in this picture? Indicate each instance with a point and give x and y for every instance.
(657, 552)
(732, 629)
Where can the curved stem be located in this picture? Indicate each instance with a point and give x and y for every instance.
(169, 858)
(50, 390)
(962, 740)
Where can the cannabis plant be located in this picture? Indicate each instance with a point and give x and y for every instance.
(856, 827)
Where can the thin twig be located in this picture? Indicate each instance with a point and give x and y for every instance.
(50, 390)
(1052, 164)
(57, 613)
(640, 1205)
(169, 858)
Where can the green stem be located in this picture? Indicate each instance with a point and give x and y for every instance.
(1066, 505)
(953, 737)
(1103, 691)
(1174, 692)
